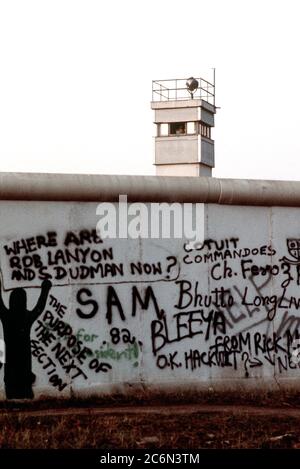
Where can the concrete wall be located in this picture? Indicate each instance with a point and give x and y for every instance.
(148, 313)
(170, 150)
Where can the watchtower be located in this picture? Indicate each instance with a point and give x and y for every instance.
(184, 116)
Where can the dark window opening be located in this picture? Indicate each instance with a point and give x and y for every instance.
(178, 128)
(204, 130)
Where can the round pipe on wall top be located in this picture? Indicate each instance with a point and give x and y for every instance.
(97, 188)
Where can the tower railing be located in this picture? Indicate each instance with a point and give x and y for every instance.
(176, 90)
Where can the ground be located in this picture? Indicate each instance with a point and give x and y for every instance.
(178, 423)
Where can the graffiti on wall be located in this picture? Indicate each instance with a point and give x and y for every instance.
(106, 312)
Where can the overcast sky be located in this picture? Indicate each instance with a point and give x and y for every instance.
(76, 78)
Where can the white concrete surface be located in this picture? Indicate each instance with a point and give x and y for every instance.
(155, 313)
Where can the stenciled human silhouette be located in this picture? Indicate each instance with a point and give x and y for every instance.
(17, 322)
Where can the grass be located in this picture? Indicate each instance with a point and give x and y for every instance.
(148, 431)
(128, 430)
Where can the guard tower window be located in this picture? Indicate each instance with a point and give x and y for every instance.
(204, 130)
(178, 128)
